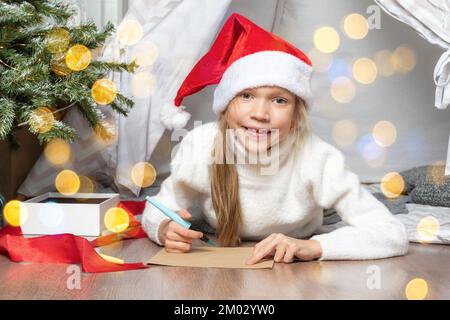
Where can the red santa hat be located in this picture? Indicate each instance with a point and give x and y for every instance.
(243, 56)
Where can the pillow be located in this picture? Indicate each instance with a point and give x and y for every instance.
(428, 185)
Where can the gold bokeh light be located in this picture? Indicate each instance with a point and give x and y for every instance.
(57, 40)
(356, 26)
(105, 133)
(67, 182)
(104, 91)
(15, 213)
(427, 229)
(78, 57)
(403, 59)
(86, 185)
(42, 120)
(145, 54)
(57, 152)
(130, 32)
(364, 70)
(116, 220)
(416, 289)
(59, 66)
(384, 133)
(343, 90)
(326, 39)
(143, 174)
(392, 185)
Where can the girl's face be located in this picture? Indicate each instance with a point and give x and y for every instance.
(261, 117)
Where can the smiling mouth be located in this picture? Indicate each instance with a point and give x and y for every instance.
(258, 132)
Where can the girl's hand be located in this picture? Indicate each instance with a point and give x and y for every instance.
(286, 249)
(176, 238)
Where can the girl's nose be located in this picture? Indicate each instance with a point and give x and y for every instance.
(261, 110)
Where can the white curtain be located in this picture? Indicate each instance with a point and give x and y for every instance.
(182, 38)
(101, 11)
(431, 19)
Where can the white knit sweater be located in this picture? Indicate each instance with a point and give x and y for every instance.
(290, 202)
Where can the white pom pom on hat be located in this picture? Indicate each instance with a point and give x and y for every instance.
(174, 117)
(243, 56)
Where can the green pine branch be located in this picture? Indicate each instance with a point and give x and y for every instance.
(115, 66)
(59, 130)
(27, 80)
(91, 113)
(32, 12)
(88, 35)
(56, 10)
(7, 117)
(18, 13)
(122, 104)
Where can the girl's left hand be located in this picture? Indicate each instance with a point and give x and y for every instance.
(286, 249)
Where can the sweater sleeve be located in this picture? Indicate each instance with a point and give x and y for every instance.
(372, 231)
(176, 192)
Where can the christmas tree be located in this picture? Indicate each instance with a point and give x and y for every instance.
(46, 67)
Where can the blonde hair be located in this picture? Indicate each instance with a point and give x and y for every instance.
(225, 179)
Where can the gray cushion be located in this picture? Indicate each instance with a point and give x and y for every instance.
(428, 185)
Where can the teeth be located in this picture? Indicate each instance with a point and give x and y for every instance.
(260, 131)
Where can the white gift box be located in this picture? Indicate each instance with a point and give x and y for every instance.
(80, 214)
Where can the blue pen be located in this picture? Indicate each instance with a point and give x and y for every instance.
(175, 217)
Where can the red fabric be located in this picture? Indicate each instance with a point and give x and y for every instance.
(133, 207)
(238, 38)
(68, 248)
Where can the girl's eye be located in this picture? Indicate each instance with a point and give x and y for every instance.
(280, 100)
(246, 96)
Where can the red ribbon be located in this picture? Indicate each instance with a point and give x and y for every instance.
(68, 248)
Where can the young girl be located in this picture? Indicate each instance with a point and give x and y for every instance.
(262, 96)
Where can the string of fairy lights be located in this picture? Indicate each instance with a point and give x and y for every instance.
(344, 77)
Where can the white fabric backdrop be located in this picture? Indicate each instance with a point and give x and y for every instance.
(101, 11)
(431, 19)
(406, 100)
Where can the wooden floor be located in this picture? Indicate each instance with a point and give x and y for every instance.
(301, 280)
